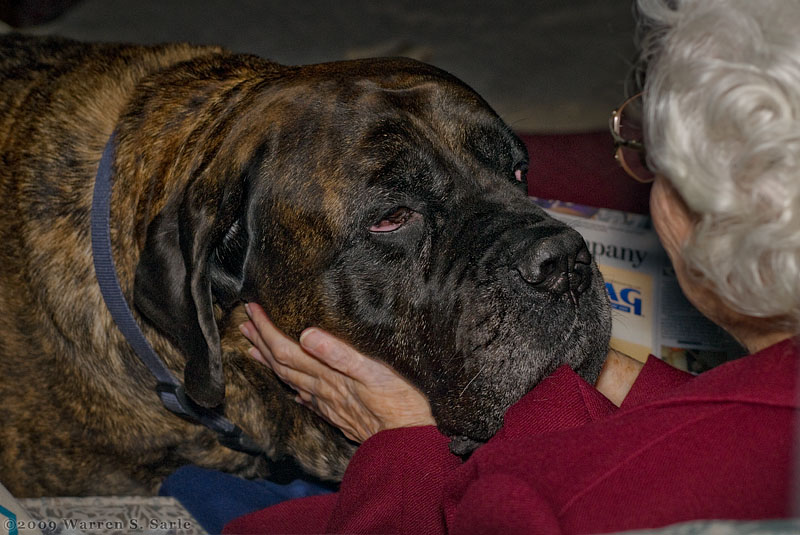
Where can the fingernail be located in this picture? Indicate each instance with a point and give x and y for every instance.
(256, 354)
(311, 339)
(244, 330)
(247, 308)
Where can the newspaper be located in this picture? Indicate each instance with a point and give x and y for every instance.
(650, 313)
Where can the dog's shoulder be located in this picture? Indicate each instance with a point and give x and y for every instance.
(24, 55)
(48, 72)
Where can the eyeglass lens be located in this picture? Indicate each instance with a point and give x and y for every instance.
(630, 129)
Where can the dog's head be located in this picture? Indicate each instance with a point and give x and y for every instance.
(384, 201)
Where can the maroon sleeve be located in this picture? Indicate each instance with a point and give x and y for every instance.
(656, 378)
(481, 498)
(562, 400)
(396, 481)
(302, 515)
(394, 484)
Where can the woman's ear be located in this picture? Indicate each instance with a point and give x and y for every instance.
(672, 218)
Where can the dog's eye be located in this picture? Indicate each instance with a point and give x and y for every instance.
(395, 219)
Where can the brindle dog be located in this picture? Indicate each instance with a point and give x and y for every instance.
(379, 199)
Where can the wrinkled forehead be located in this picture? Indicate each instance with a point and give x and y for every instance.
(389, 132)
(376, 99)
(436, 109)
(381, 120)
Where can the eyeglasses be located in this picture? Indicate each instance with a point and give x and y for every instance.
(625, 124)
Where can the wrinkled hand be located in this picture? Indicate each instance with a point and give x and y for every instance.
(357, 394)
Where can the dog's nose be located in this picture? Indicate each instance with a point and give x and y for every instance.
(557, 264)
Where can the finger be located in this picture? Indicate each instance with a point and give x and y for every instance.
(251, 333)
(347, 360)
(285, 351)
(264, 327)
(297, 379)
(258, 355)
(336, 353)
(265, 357)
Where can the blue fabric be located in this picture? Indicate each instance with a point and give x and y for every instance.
(215, 498)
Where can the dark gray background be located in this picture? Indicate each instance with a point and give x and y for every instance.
(545, 65)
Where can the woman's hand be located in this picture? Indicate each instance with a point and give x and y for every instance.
(617, 376)
(357, 394)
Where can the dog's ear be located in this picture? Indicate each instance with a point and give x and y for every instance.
(193, 259)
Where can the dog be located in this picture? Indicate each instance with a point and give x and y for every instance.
(382, 200)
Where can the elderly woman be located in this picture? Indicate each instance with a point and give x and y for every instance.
(721, 114)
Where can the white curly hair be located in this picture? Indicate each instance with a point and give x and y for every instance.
(722, 124)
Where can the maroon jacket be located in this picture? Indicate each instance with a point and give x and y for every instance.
(716, 446)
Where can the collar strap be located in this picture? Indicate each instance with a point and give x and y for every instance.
(169, 389)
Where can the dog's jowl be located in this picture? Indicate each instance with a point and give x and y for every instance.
(378, 199)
